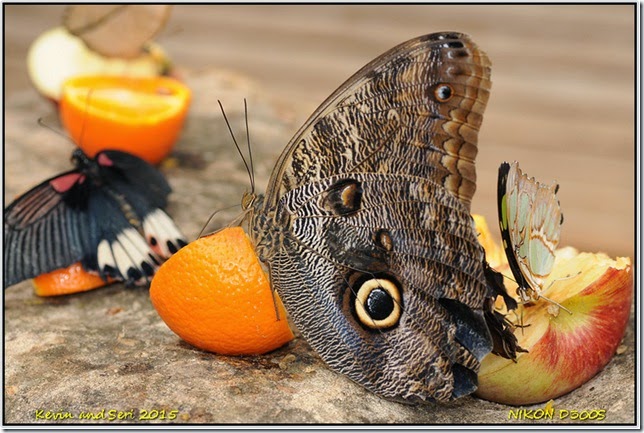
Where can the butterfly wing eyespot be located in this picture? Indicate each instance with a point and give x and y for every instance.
(378, 303)
(443, 92)
(343, 197)
(382, 239)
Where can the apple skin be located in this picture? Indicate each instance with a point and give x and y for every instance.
(564, 350)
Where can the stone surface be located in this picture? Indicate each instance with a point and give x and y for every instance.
(106, 352)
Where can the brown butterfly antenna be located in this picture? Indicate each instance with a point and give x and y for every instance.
(212, 215)
(250, 151)
(519, 318)
(249, 170)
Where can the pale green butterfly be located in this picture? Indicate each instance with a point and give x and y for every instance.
(530, 218)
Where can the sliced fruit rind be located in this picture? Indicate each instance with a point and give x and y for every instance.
(565, 350)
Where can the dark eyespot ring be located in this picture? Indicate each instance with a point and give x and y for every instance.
(377, 303)
(443, 92)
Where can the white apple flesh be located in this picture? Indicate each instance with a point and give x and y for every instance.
(57, 55)
(564, 350)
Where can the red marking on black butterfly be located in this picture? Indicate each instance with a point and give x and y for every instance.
(104, 160)
(101, 213)
(63, 183)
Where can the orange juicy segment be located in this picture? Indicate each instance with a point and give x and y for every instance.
(214, 294)
(127, 105)
(72, 279)
(142, 116)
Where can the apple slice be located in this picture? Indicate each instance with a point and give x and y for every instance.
(57, 55)
(565, 349)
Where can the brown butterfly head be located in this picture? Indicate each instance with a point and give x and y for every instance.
(248, 200)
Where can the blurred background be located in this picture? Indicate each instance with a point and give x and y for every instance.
(562, 103)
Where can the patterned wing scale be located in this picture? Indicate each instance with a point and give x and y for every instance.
(530, 219)
(106, 214)
(366, 227)
(433, 258)
(414, 110)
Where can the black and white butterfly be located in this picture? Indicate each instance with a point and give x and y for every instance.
(106, 213)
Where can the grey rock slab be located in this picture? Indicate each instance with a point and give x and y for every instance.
(107, 353)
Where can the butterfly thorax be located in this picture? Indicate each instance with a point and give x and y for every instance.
(267, 227)
(87, 166)
(91, 168)
(248, 200)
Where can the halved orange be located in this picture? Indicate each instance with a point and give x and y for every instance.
(65, 281)
(142, 116)
(214, 294)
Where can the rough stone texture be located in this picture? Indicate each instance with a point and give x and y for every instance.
(107, 349)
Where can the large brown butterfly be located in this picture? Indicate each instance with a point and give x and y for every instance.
(366, 227)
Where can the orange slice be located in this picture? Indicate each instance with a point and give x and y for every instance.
(65, 281)
(142, 116)
(214, 294)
